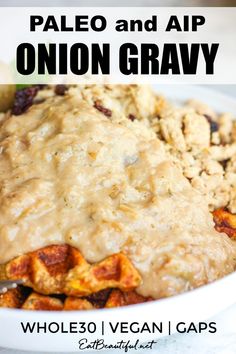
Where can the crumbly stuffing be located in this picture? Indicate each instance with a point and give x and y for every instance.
(203, 144)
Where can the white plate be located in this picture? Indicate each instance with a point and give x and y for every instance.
(196, 305)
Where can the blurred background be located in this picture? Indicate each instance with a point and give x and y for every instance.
(118, 3)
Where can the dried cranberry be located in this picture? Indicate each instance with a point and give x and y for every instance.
(106, 111)
(132, 117)
(60, 90)
(214, 127)
(24, 99)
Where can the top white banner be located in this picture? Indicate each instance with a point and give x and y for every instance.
(118, 45)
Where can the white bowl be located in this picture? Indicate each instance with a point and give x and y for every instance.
(194, 306)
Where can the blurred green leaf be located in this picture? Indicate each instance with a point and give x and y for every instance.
(21, 86)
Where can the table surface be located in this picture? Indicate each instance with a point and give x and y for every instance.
(222, 342)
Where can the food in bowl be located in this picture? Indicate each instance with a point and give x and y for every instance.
(110, 195)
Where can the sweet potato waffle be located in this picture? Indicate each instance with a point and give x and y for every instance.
(57, 277)
(17, 298)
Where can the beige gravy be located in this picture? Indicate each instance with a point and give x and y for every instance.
(69, 174)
